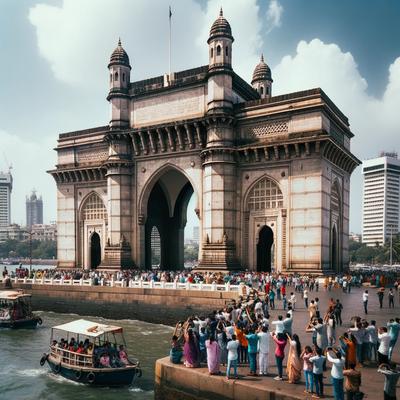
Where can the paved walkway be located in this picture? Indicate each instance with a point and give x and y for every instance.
(372, 381)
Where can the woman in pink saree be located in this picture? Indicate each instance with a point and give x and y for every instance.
(294, 364)
(212, 356)
(191, 350)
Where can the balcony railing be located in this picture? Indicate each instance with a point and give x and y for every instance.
(131, 283)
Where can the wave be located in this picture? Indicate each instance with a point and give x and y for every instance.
(31, 372)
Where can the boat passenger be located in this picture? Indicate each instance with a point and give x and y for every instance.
(89, 350)
(80, 349)
(122, 355)
(72, 345)
(105, 360)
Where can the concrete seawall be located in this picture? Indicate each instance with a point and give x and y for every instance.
(175, 382)
(161, 306)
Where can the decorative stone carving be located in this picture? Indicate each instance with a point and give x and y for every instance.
(270, 128)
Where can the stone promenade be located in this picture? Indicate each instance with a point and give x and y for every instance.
(180, 382)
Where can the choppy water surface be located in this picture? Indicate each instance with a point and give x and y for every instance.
(22, 377)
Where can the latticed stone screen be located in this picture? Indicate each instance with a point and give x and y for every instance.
(276, 127)
(94, 208)
(335, 199)
(265, 194)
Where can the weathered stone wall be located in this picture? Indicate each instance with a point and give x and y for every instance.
(175, 382)
(160, 306)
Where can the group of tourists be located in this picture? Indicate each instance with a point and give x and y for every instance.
(104, 356)
(242, 333)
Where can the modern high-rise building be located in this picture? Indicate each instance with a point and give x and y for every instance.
(34, 210)
(381, 198)
(5, 198)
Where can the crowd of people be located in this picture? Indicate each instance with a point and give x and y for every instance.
(255, 280)
(242, 334)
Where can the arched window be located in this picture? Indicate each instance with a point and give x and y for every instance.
(110, 78)
(123, 77)
(226, 51)
(94, 208)
(116, 77)
(218, 50)
(265, 194)
(212, 53)
(267, 90)
(261, 90)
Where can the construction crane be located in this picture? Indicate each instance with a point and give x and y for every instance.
(9, 165)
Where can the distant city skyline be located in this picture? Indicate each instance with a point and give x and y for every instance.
(306, 43)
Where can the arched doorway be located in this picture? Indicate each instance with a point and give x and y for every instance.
(264, 249)
(167, 210)
(95, 250)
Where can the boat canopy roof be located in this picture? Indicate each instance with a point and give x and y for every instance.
(88, 328)
(13, 295)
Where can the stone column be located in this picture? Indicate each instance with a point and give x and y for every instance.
(119, 177)
(219, 197)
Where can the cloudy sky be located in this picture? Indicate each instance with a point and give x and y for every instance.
(54, 55)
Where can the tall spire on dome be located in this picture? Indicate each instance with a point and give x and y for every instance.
(119, 42)
(221, 13)
(262, 57)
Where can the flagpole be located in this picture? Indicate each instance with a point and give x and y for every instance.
(169, 52)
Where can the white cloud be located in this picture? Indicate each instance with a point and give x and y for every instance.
(30, 161)
(374, 121)
(274, 15)
(77, 38)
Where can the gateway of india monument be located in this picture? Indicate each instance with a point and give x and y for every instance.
(271, 174)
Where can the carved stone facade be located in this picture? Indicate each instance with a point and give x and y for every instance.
(271, 174)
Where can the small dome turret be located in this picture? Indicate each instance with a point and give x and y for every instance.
(220, 28)
(262, 79)
(262, 71)
(119, 56)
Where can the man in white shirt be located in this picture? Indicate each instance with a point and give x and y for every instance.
(287, 324)
(279, 327)
(305, 297)
(384, 342)
(263, 351)
(232, 348)
(365, 301)
(336, 372)
(372, 335)
(293, 300)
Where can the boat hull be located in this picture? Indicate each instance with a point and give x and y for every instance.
(94, 376)
(20, 324)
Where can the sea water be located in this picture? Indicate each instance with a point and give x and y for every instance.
(22, 377)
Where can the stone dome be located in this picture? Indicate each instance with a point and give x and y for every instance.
(220, 27)
(262, 72)
(119, 56)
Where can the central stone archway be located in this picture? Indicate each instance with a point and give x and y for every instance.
(166, 210)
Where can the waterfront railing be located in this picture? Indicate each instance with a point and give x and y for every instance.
(131, 283)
